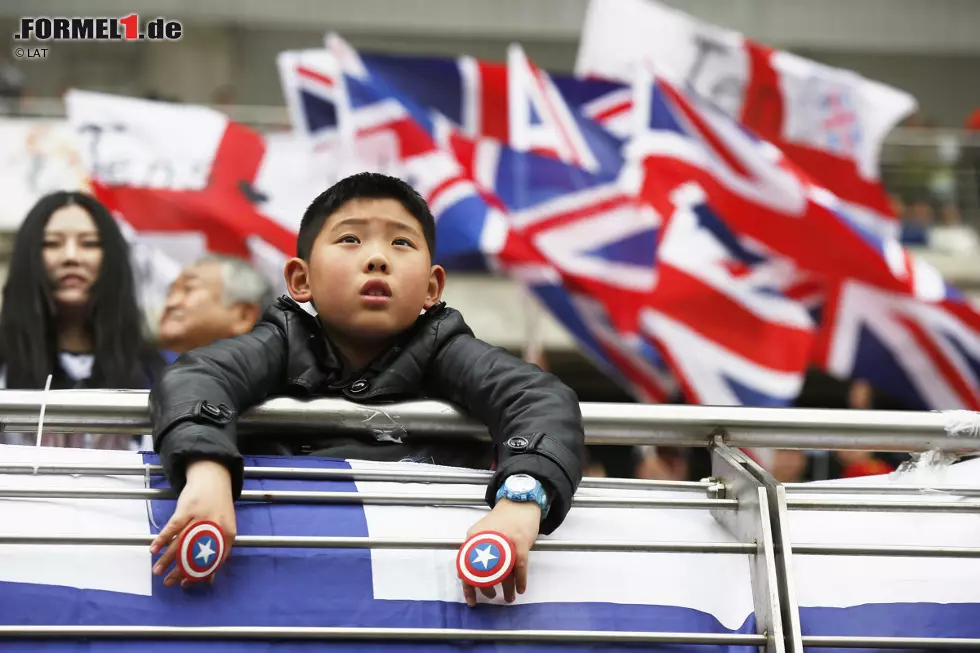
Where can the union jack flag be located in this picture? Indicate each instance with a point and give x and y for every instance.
(589, 258)
(925, 352)
(695, 258)
(515, 103)
(761, 193)
(889, 317)
(313, 91)
(722, 311)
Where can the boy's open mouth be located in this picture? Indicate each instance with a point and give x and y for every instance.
(376, 288)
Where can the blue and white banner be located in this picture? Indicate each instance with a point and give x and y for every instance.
(106, 585)
(890, 596)
(94, 585)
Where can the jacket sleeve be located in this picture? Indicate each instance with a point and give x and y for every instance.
(194, 407)
(533, 418)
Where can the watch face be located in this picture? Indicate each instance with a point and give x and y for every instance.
(521, 483)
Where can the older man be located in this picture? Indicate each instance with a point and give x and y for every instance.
(215, 297)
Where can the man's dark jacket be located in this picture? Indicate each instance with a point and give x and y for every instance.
(534, 420)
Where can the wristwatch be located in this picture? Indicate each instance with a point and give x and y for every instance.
(522, 488)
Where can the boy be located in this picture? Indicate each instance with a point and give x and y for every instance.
(365, 263)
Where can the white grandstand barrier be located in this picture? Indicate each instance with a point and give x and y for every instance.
(78, 485)
(793, 542)
(127, 411)
(863, 572)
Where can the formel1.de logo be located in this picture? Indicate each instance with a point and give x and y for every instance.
(126, 28)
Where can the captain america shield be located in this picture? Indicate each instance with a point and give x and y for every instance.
(200, 551)
(485, 559)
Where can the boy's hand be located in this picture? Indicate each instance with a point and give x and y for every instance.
(520, 522)
(206, 496)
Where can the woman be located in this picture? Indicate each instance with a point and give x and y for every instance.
(69, 308)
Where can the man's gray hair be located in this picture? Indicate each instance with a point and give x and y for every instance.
(241, 282)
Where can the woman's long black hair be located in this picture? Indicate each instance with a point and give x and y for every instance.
(28, 327)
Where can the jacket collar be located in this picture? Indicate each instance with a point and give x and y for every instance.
(326, 351)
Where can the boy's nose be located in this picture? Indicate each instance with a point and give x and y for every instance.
(377, 262)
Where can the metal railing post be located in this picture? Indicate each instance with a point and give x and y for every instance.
(783, 552)
(752, 523)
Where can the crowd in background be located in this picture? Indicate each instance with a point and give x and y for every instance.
(70, 317)
(786, 465)
(70, 320)
(935, 186)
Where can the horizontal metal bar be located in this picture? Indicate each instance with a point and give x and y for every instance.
(922, 643)
(316, 542)
(97, 411)
(886, 551)
(859, 505)
(842, 488)
(361, 498)
(308, 474)
(388, 634)
(856, 435)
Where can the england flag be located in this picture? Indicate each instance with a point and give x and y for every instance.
(828, 121)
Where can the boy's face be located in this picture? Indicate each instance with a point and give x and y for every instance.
(369, 273)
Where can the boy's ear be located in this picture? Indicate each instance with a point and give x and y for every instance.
(297, 274)
(437, 283)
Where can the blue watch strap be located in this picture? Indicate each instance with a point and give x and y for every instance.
(536, 494)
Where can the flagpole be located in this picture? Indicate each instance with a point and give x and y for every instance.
(534, 351)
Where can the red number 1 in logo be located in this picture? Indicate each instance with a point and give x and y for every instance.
(132, 25)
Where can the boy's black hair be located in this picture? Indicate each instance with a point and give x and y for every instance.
(364, 185)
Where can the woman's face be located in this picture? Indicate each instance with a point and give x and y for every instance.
(72, 254)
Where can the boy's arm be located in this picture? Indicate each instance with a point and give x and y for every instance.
(194, 407)
(534, 419)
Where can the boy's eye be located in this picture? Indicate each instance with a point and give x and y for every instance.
(349, 239)
(404, 242)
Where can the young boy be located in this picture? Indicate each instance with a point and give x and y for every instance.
(364, 261)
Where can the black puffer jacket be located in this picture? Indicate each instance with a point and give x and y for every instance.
(534, 420)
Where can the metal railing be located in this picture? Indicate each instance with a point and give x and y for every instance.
(740, 495)
(125, 412)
